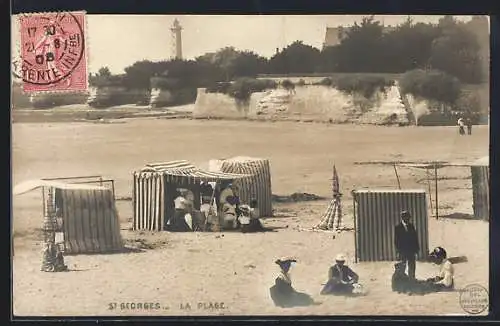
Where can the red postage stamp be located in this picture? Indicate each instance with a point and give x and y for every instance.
(53, 52)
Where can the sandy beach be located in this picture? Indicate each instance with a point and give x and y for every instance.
(232, 269)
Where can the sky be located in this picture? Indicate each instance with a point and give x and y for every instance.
(117, 41)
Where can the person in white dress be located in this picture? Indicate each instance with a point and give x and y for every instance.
(444, 280)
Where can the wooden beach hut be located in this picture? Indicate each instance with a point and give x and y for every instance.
(155, 185)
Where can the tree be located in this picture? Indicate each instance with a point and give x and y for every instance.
(362, 49)
(408, 46)
(329, 59)
(139, 74)
(104, 72)
(457, 52)
(296, 58)
(248, 64)
(431, 84)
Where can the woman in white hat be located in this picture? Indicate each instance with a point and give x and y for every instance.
(341, 279)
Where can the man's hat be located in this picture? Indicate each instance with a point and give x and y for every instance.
(340, 257)
(405, 213)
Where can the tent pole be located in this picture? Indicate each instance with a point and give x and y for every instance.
(397, 176)
(429, 186)
(355, 229)
(43, 201)
(436, 185)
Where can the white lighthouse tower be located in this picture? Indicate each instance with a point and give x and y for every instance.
(176, 30)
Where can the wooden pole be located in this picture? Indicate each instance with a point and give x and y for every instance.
(355, 229)
(397, 176)
(430, 189)
(436, 185)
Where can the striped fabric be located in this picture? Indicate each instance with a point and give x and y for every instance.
(156, 182)
(377, 212)
(185, 169)
(149, 201)
(90, 221)
(332, 218)
(257, 186)
(481, 191)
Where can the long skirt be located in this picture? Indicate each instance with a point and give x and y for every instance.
(178, 223)
(287, 299)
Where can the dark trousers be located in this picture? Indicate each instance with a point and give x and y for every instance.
(409, 260)
(469, 130)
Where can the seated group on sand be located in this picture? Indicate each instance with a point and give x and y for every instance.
(218, 210)
(342, 280)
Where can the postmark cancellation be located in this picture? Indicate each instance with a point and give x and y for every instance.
(53, 52)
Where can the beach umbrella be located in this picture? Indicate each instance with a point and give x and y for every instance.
(335, 182)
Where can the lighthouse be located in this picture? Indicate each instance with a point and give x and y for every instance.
(176, 30)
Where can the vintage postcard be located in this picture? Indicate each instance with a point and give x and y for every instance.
(250, 165)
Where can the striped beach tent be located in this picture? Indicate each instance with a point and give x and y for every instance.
(155, 185)
(90, 221)
(257, 186)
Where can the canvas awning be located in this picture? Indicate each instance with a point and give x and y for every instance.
(186, 169)
(31, 185)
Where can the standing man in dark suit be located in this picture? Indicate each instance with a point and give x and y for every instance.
(406, 242)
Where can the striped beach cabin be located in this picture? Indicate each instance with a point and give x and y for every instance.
(377, 212)
(154, 190)
(88, 219)
(257, 186)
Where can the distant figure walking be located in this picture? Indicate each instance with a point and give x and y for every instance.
(461, 126)
(468, 123)
(406, 243)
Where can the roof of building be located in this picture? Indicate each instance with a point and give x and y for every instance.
(331, 36)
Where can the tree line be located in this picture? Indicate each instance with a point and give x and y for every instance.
(450, 46)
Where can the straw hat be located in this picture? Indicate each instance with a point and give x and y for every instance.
(340, 257)
(285, 260)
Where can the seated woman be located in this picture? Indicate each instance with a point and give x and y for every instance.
(249, 218)
(229, 218)
(178, 221)
(282, 293)
(444, 280)
(341, 279)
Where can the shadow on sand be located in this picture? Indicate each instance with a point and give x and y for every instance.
(124, 250)
(459, 216)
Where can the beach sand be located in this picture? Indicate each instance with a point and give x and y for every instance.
(231, 268)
